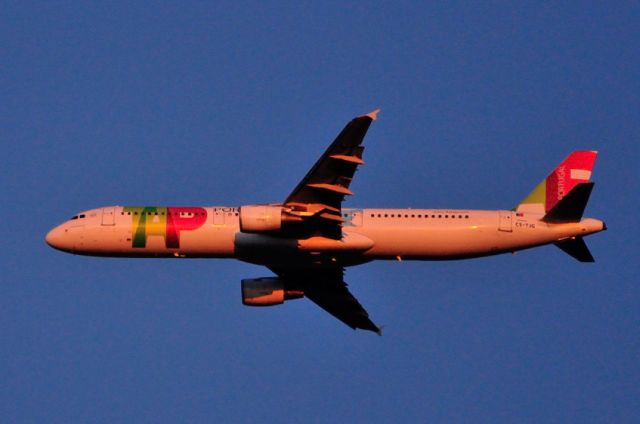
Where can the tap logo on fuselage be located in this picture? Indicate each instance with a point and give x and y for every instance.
(165, 222)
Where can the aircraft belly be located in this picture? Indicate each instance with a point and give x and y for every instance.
(103, 239)
(415, 242)
(215, 242)
(453, 242)
(273, 251)
(119, 240)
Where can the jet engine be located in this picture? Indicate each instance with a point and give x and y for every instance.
(267, 291)
(260, 218)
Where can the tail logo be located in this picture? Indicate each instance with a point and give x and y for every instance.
(575, 169)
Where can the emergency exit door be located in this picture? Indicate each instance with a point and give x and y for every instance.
(109, 216)
(506, 218)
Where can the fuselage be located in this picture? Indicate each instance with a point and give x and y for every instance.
(368, 234)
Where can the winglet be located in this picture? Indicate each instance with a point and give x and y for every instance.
(373, 115)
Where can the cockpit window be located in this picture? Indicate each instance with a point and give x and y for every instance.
(82, 216)
(73, 217)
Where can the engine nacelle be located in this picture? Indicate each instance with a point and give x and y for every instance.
(266, 291)
(260, 218)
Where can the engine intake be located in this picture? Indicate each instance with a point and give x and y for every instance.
(260, 218)
(266, 291)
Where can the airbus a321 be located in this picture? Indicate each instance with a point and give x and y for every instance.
(309, 239)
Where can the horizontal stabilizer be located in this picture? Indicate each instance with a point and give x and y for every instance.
(571, 207)
(576, 248)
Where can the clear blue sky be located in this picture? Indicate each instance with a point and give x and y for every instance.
(192, 103)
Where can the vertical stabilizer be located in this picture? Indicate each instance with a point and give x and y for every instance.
(571, 207)
(575, 169)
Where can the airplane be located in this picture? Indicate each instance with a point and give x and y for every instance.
(309, 239)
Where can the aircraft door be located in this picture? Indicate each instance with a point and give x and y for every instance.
(506, 221)
(355, 218)
(109, 216)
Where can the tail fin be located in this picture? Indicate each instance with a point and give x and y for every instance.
(575, 169)
(571, 207)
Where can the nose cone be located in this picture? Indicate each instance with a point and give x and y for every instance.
(54, 238)
(61, 238)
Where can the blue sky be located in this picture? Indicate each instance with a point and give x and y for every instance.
(191, 103)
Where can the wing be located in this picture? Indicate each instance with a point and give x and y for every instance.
(318, 197)
(326, 288)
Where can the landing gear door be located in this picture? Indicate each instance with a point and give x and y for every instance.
(109, 216)
(506, 221)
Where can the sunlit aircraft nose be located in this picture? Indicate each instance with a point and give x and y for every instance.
(55, 237)
(60, 238)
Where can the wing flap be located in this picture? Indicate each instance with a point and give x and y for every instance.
(351, 159)
(335, 188)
